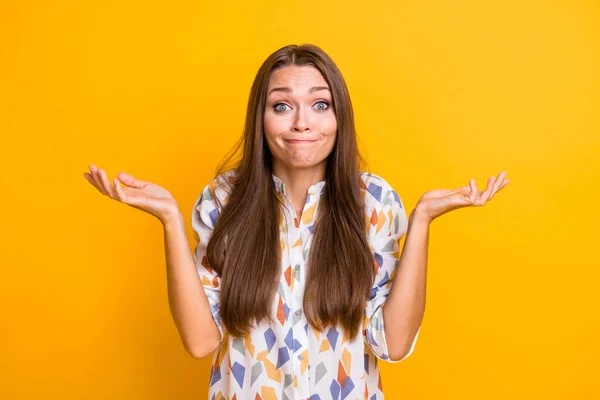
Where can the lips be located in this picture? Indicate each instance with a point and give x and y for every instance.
(299, 141)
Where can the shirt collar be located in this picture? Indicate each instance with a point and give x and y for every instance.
(316, 188)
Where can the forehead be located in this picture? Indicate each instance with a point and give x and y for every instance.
(297, 77)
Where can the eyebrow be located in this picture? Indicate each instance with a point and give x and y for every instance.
(288, 90)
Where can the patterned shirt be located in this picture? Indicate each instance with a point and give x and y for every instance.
(290, 359)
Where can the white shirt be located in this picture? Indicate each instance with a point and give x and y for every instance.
(290, 360)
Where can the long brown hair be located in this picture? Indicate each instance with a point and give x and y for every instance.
(341, 264)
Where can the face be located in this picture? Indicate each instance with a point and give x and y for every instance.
(299, 122)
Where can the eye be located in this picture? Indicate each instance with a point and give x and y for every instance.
(275, 107)
(323, 107)
(326, 105)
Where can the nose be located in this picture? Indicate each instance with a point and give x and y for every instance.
(300, 121)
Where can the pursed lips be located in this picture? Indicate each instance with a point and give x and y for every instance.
(299, 141)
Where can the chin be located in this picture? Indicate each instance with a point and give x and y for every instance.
(304, 163)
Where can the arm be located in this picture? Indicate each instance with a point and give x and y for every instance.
(387, 225)
(405, 306)
(192, 305)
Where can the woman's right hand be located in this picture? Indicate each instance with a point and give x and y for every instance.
(145, 196)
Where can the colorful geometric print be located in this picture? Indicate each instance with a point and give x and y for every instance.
(290, 359)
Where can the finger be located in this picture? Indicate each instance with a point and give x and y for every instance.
(106, 183)
(499, 181)
(488, 191)
(98, 180)
(495, 189)
(474, 191)
(463, 190)
(90, 179)
(130, 180)
(124, 197)
(121, 196)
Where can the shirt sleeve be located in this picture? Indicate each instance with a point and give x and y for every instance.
(387, 225)
(204, 218)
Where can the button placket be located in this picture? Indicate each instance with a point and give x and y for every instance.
(296, 258)
(293, 234)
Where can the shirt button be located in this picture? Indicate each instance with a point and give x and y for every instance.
(298, 312)
(297, 267)
(300, 357)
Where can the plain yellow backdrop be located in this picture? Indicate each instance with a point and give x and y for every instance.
(443, 92)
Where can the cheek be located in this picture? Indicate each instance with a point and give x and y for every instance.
(329, 126)
(272, 129)
(273, 124)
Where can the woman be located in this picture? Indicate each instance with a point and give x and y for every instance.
(297, 247)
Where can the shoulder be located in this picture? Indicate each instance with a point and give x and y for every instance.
(215, 193)
(378, 191)
(220, 186)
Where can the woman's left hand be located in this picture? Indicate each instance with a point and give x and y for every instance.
(436, 202)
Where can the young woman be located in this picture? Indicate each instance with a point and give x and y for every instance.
(290, 283)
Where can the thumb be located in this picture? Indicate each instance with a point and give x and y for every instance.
(130, 180)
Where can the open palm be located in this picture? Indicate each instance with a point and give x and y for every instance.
(146, 196)
(436, 202)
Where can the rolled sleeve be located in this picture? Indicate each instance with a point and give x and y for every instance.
(204, 218)
(388, 223)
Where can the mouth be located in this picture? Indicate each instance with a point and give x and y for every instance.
(298, 141)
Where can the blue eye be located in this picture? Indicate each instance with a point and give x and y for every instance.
(326, 105)
(275, 107)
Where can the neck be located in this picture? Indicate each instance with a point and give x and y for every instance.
(298, 180)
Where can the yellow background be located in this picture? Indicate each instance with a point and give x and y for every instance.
(443, 92)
